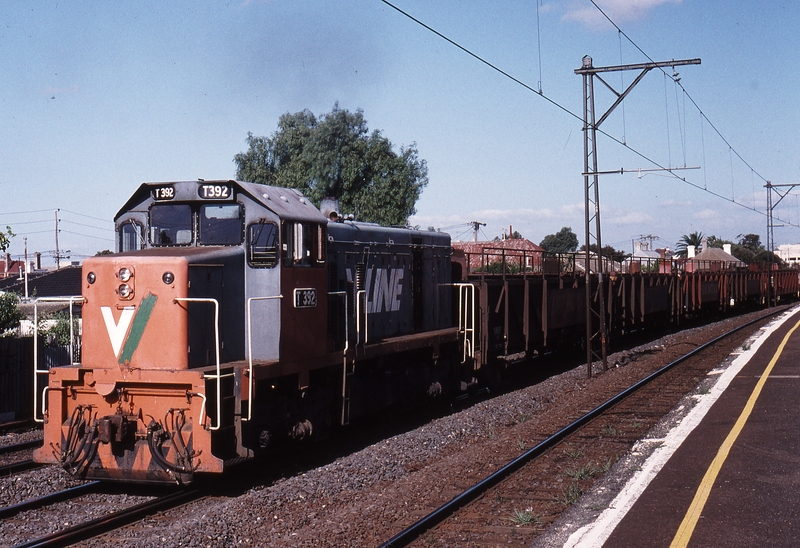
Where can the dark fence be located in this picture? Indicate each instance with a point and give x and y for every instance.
(16, 374)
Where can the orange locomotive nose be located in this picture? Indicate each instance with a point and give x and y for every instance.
(133, 409)
(131, 317)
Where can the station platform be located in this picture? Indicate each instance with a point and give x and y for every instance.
(729, 473)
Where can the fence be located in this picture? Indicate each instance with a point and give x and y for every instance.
(16, 374)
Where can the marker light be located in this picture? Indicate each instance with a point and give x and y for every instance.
(91, 277)
(168, 278)
(125, 291)
(125, 274)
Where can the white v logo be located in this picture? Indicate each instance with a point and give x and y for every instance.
(117, 331)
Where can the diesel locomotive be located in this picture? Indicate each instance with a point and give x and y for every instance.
(236, 316)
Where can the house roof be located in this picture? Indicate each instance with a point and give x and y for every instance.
(715, 254)
(63, 282)
(515, 244)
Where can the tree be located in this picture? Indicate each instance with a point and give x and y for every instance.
(563, 241)
(608, 252)
(682, 247)
(5, 238)
(10, 314)
(334, 155)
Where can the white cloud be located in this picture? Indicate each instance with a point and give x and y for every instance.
(620, 11)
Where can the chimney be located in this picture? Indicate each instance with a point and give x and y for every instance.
(38, 260)
(726, 248)
(690, 249)
(704, 244)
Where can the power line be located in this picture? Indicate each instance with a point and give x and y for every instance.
(576, 116)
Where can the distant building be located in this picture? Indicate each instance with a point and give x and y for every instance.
(789, 253)
(15, 269)
(711, 258)
(519, 252)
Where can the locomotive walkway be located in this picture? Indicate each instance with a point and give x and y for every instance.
(729, 474)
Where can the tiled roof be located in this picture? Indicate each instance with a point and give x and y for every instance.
(56, 283)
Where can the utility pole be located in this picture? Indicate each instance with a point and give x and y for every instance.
(596, 315)
(58, 255)
(475, 227)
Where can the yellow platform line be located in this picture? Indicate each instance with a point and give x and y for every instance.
(684, 533)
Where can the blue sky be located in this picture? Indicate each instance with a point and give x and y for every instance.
(96, 97)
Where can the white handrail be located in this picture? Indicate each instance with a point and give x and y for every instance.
(359, 293)
(250, 351)
(219, 375)
(36, 370)
(466, 317)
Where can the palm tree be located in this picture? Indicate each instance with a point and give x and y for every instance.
(695, 239)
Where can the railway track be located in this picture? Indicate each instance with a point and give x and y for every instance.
(472, 515)
(21, 465)
(114, 520)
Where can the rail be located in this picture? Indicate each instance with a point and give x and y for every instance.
(36, 370)
(218, 376)
(408, 535)
(250, 351)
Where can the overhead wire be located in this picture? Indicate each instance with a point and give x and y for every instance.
(566, 110)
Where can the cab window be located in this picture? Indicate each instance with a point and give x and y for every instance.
(220, 224)
(303, 244)
(131, 236)
(262, 250)
(171, 224)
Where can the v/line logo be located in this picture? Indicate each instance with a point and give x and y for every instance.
(383, 288)
(126, 333)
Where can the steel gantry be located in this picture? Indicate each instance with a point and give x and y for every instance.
(596, 340)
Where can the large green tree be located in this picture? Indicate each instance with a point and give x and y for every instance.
(563, 241)
(335, 155)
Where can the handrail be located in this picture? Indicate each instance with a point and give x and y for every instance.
(36, 370)
(466, 317)
(359, 293)
(250, 351)
(219, 375)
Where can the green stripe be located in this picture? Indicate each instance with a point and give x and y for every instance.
(137, 329)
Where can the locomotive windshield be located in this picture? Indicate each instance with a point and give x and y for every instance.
(216, 224)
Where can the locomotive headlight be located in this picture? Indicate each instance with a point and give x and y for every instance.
(125, 274)
(91, 277)
(125, 291)
(168, 278)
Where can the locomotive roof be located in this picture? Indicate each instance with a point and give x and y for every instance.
(287, 203)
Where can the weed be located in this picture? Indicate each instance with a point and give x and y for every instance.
(746, 346)
(573, 453)
(523, 419)
(521, 444)
(610, 430)
(524, 517)
(584, 472)
(571, 494)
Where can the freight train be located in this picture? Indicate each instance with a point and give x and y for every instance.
(236, 317)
